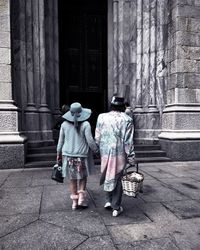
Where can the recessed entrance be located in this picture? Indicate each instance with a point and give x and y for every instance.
(83, 54)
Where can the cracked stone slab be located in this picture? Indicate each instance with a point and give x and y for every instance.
(10, 224)
(184, 209)
(39, 236)
(97, 243)
(177, 170)
(158, 192)
(159, 174)
(187, 186)
(42, 181)
(57, 198)
(187, 237)
(157, 212)
(137, 232)
(17, 182)
(20, 200)
(130, 215)
(85, 222)
(154, 244)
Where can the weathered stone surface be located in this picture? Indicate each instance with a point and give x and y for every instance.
(98, 243)
(56, 198)
(184, 209)
(40, 235)
(158, 192)
(5, 56)
(186, 38)
(184, 65)
(132, 214)
(188, 186)
(155, 244)
(5, 74)
(160, 174)
(20, 200)
(42, 177)
(5, 91)
(11, 156)
(9, 224)
(148, 222)
(17, 182)
(85, 222)
(180, 150)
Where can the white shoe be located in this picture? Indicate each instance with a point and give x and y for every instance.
(116, 212)
(107, 205)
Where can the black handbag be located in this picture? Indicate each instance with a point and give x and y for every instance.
(56, 173)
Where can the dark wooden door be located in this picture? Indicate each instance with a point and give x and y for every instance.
(83, 53)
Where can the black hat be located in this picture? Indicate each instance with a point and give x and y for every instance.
(117, 101)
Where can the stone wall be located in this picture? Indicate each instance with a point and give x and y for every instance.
(181, 128)
(140, 61)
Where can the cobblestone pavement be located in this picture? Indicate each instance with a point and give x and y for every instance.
(35, 212)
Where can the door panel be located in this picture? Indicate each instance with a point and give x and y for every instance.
(83, 53)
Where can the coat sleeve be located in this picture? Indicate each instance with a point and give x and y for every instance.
(128, 140)
(97, 131)
(61, 140)
(89, 138)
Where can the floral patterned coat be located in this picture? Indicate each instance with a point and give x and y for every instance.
(114, 135)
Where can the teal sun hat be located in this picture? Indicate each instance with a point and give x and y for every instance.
(77, 113)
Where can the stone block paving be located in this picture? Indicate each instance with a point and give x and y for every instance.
(35, 212)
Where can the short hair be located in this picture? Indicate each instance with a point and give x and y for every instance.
(64, 108)
(120, 108)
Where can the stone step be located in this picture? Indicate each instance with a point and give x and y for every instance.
(39, 164)
(46, 156)
(152, 159)
(150, 153)
(41, 157)
(49, 149)
(51, 156)
(139, 147)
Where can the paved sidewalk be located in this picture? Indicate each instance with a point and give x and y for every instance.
(35, 212)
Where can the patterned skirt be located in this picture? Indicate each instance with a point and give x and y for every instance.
(74, 167)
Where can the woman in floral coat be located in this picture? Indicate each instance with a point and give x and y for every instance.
(114, 135)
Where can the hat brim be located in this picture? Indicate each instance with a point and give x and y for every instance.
(85, 114)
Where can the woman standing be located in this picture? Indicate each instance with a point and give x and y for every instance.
(114, 135)
(74, 144)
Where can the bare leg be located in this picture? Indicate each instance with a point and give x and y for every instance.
(73, 186)
(82, 200)
(82, 184)
(74, 195)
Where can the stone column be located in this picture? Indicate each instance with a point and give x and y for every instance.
(45, 115)
(115, 47)
(180, 134)
(12, 142)
(32, 68)
(152, 66)
(133, 53)
(56, 59)
(145, 57)
(138, 106)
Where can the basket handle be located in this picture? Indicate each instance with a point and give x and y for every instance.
(130, 166)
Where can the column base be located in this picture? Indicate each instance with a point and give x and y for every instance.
(13, 148)
(181, 150)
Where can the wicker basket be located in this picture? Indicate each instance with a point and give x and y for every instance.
(132, 182)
